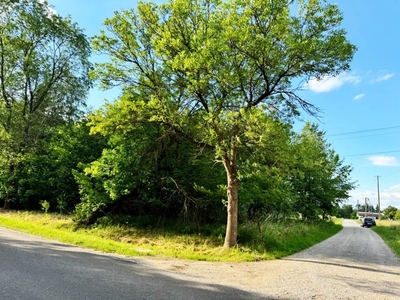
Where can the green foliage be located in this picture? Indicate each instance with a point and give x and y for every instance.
(319, 177)
(154, 170)
(263, 172)
(147, 170)
(397, 216)
(347, 212)
(45, 206)
(199, 67)
(43, 84)
(266, 175)
(390, 212)
(47, 173)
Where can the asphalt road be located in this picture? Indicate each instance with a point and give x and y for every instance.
(353, 264)
(33, 268)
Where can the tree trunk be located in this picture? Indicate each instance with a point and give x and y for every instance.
(11, 182)
(232, 195)
(7, 204)
(232, 209)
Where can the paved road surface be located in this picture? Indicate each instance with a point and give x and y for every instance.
(32, 268)
(341, 267)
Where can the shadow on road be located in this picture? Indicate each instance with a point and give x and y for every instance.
(36, 269)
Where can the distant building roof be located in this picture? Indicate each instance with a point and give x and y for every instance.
(362, 214)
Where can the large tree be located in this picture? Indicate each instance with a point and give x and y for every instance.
(43, 79)
(207, 69)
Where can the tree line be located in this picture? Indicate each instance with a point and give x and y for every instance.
(347, 211)
(210, 90)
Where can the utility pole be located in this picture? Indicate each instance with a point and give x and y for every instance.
(358, 209)
(379, 199)
(366, 205)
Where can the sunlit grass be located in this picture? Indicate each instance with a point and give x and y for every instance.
(276, 240)
(390, 233)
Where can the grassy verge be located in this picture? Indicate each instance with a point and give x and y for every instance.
(390, 233)
(276, 240)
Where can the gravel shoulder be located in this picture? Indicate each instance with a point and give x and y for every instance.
(353, 264)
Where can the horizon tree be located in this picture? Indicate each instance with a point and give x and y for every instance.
(390, 212)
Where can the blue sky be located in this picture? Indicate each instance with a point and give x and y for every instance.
(361, 109)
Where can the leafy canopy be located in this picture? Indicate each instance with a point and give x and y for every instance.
(44, 81)
(198, 64)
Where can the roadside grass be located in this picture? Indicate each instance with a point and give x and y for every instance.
(276, 240)
(389, 231)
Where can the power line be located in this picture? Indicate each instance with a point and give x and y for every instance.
(363, 154)
(363, 136)
(362, 131)
(394, 170)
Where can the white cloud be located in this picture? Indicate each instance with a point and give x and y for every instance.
(383, 77)
(329, 83)
(387, 161)
(358, 97)
(358, 196)
(362, 194)
(388, 196)
(391, 196)
(394, 189)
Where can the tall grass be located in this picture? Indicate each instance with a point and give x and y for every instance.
(390, 233)
(135, 237)
(285, 238)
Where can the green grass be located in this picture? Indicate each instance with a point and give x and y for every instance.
(389, 231)
(276, 240)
